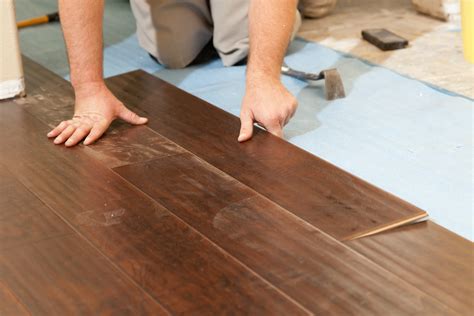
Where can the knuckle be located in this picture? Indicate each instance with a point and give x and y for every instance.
(274, 118)
(95, 133)
(82, 129)
(132, 115)
(294, 106)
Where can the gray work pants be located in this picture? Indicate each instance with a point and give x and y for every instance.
(175, 31)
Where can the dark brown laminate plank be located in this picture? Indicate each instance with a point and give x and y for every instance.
(318, 192)
(52, 101)
(315, 269)
(429, 257)
(178, 267)
(23, 218)
(10, 304)
(47, 269)
(66, 276)
(122, 143)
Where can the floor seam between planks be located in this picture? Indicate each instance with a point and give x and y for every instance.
(225, 252)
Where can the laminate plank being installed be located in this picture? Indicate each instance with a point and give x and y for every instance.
(318, 192)
(313, 268)
(178, 267)
(47, 269)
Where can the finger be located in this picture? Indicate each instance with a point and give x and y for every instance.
(58, 129)
(96, 132)
(246, 126)
(131, 117)
(275, 129)
(78, 135)
(64, 134)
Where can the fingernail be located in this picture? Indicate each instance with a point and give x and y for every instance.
(68, 143)
(86, 141)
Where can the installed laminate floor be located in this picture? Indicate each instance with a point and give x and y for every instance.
(177, 217)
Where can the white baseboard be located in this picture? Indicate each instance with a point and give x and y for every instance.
(12, 88)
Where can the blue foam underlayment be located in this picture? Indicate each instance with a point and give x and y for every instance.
(399, 134)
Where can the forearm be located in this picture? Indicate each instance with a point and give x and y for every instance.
(81, 22)
(266, 100)
(270, 28)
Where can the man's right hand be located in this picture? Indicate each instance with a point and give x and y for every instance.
(95, 109)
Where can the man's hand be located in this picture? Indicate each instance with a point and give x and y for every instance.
(266, 100)
(269, 104)
(96, 107)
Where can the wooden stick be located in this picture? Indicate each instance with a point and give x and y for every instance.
(39, 20)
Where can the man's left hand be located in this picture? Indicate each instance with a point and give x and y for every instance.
(269, 104)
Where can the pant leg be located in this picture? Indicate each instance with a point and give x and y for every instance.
(316, 8)
(173, 31)
(231, 32)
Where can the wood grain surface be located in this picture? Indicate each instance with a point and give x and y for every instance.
(318, 192)
(178, 267)
(122, 143)
(24, 218)
(313, 268)
(47, 269)
(428, 256)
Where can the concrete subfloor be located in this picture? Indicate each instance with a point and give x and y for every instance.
(435, 52)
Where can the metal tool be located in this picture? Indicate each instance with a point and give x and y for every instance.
(333, 86)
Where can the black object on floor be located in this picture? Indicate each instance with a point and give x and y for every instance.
(384, 39)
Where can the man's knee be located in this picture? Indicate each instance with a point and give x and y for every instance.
(316, 8)
(172, 57)
(174, 32)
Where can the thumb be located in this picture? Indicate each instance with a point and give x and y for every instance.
(131, 117)
(246, 126)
